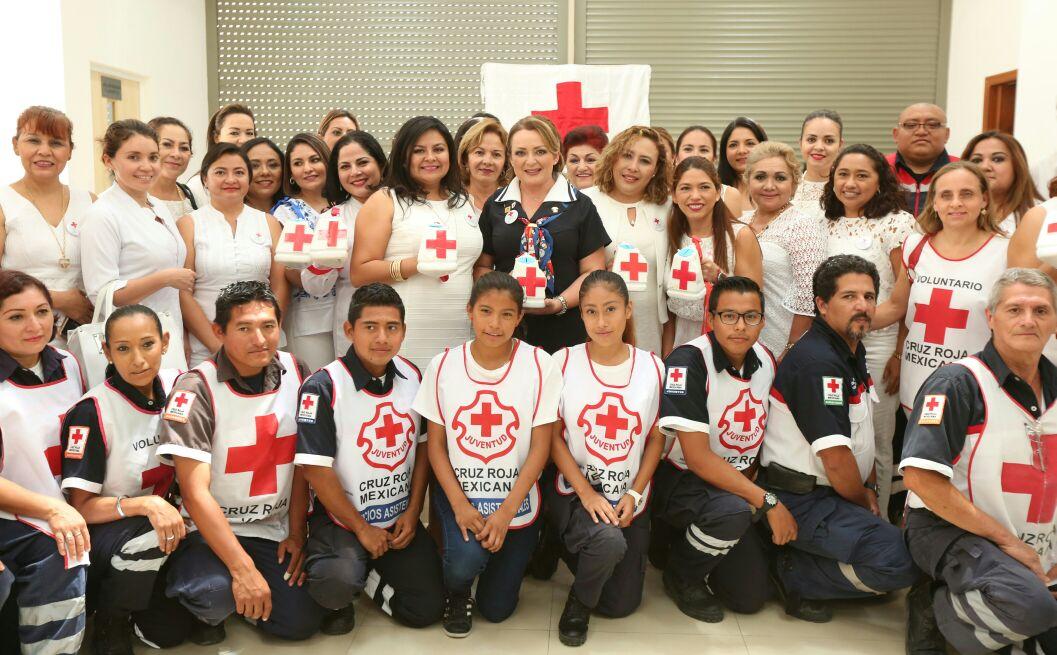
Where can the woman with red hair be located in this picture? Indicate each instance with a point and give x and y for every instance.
(582, 149)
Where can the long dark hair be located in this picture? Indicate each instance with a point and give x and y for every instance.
(889, 197)
(260, 140)
(333, 191)
(397, 174)
(290, 187)
(616, 284)
(1022, 194)
(727, 174)
(722, 221)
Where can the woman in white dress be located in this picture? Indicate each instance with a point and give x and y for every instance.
(793, 244)
(128, 238)
(699, 141)
(864, 218)
(821, 138)
(1009, 183)
(421, 187)
(40, 217)
(232, 123)
(227, 241)
(336, 124)
(631, 196)
(266, 170)
(353, 174)
(174, 150)
(582, 150)
(698, 218)
(309, 319)
(738, 140)
(483, 165)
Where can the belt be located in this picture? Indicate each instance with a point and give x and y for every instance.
(776, 476)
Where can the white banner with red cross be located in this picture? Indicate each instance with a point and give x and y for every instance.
(570, 95)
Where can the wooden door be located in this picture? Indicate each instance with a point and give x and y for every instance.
(113, 99)
(1000, 98)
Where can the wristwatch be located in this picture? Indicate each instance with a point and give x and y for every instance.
(636, 496)
(872, 486)
(770, 501)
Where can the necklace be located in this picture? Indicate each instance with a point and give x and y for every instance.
(760, 229)
(64, 261)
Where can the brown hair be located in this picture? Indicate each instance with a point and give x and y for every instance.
(657, 188)
(290, 187)
(547, 132)
(331, 115)
(159, 122)
(722, 221)
(14, 282)
(1022, 193)
(48, 121)
(472, 138)
(929, 220)
(218, 117)
(121, 131)
(616, 284)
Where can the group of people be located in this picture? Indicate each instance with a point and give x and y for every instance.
(699, 352)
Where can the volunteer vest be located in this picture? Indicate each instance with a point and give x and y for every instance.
(606, 426)
(737, 409)
(376, 440)
(945, 312)
(30, 419)
(131, 436)
(1008, 473)
(254, 440)
(489, 426)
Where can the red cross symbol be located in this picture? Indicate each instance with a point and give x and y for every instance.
(684, 275)
(932, 404)
(180, 400)
(532, 280)
(389, 431)
(335, 232)
(832, 385)
(571, 112)
(1040, 484)
(611, 421)
(299, 237)
(938, 316)
(486, 420)
(307, 403)
(676, 375)
(160, 477)
(633, 266)
(77, 434)
(745, 416)
(263, 457)
(441, 245)
(73, 224)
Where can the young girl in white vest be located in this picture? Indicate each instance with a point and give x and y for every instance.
(606, 447)
(491, 404)
(112, 475)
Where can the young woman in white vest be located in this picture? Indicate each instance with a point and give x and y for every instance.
(606, 447)
(112, 475)
(491, 404)
(44, 542)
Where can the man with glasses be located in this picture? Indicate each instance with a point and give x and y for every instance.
(818, 454)
(980, 460)
(715, 403)
(921, 137)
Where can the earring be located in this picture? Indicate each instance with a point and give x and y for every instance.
(292, 183)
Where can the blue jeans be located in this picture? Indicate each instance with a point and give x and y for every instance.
(499, 573)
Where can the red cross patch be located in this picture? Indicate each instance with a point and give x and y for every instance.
(179, 407)
(387, 438)
(78, 437)
(932, 409)
(486, 427)
(610, 428)
(742, 422)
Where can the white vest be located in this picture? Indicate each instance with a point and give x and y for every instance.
(606, 426)
(377, 436)
(254, 440)
(1003, 473)
(489, 427)
(737, 409)
(945, 312)
(30, 418)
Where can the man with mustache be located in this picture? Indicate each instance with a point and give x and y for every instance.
(978, 460)
(818, 454)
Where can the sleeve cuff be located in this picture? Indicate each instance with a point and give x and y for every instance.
(169, 450)
(82, 484)
(545, 420)
(669, 425)
(313, 460)
(915, 462)
(831, 441)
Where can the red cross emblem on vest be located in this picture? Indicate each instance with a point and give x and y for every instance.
(1038, 479)
(158, 478)
(387, 438)
(486, 427)
(610, 428)
(571, 112)
(938, 316)
(742, 421)
(263, 457)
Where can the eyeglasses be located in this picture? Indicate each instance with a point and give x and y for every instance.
(731, 317)
(913, 126)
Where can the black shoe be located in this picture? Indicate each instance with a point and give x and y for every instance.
(339, 622)
(458, 615)
(204, 634)
(572, 628)
(923, 634)
(692, 599)
(805, 609)
(112, 634)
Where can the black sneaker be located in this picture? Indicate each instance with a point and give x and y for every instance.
(458, 615)
(339, 622)
(692, 599)
(112, 634)
(204, 634)
(805, 609)
(572, 628)
(923, 634)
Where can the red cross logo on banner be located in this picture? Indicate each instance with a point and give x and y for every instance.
(264, 457)
(299, 237)
(938, 316)
(532, 280)
(633, 266)
(571, 112)
(160, 478)
(387, 438)
(684, 275)
(610, 428)
(486, 427)
(1038, 480)
(742, 422)
(334, 232)
(441, 244)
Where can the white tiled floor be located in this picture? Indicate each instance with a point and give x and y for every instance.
(873, 627)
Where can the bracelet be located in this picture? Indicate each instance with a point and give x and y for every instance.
(898, 355)
(394, 270)
(565, 305)
(121, 512)
(788, 347)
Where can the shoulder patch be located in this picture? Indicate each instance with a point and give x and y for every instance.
(179, 407)
(77, 438)
(832, 390)
(932, 409)
(307, 408)
(675, 381)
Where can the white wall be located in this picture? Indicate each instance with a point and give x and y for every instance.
(160, 43)
(1036, 118)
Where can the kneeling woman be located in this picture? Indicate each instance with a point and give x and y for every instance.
(491, 404)
(113, 477)
(606, 452)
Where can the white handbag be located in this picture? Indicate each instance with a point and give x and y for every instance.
(86, 341)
